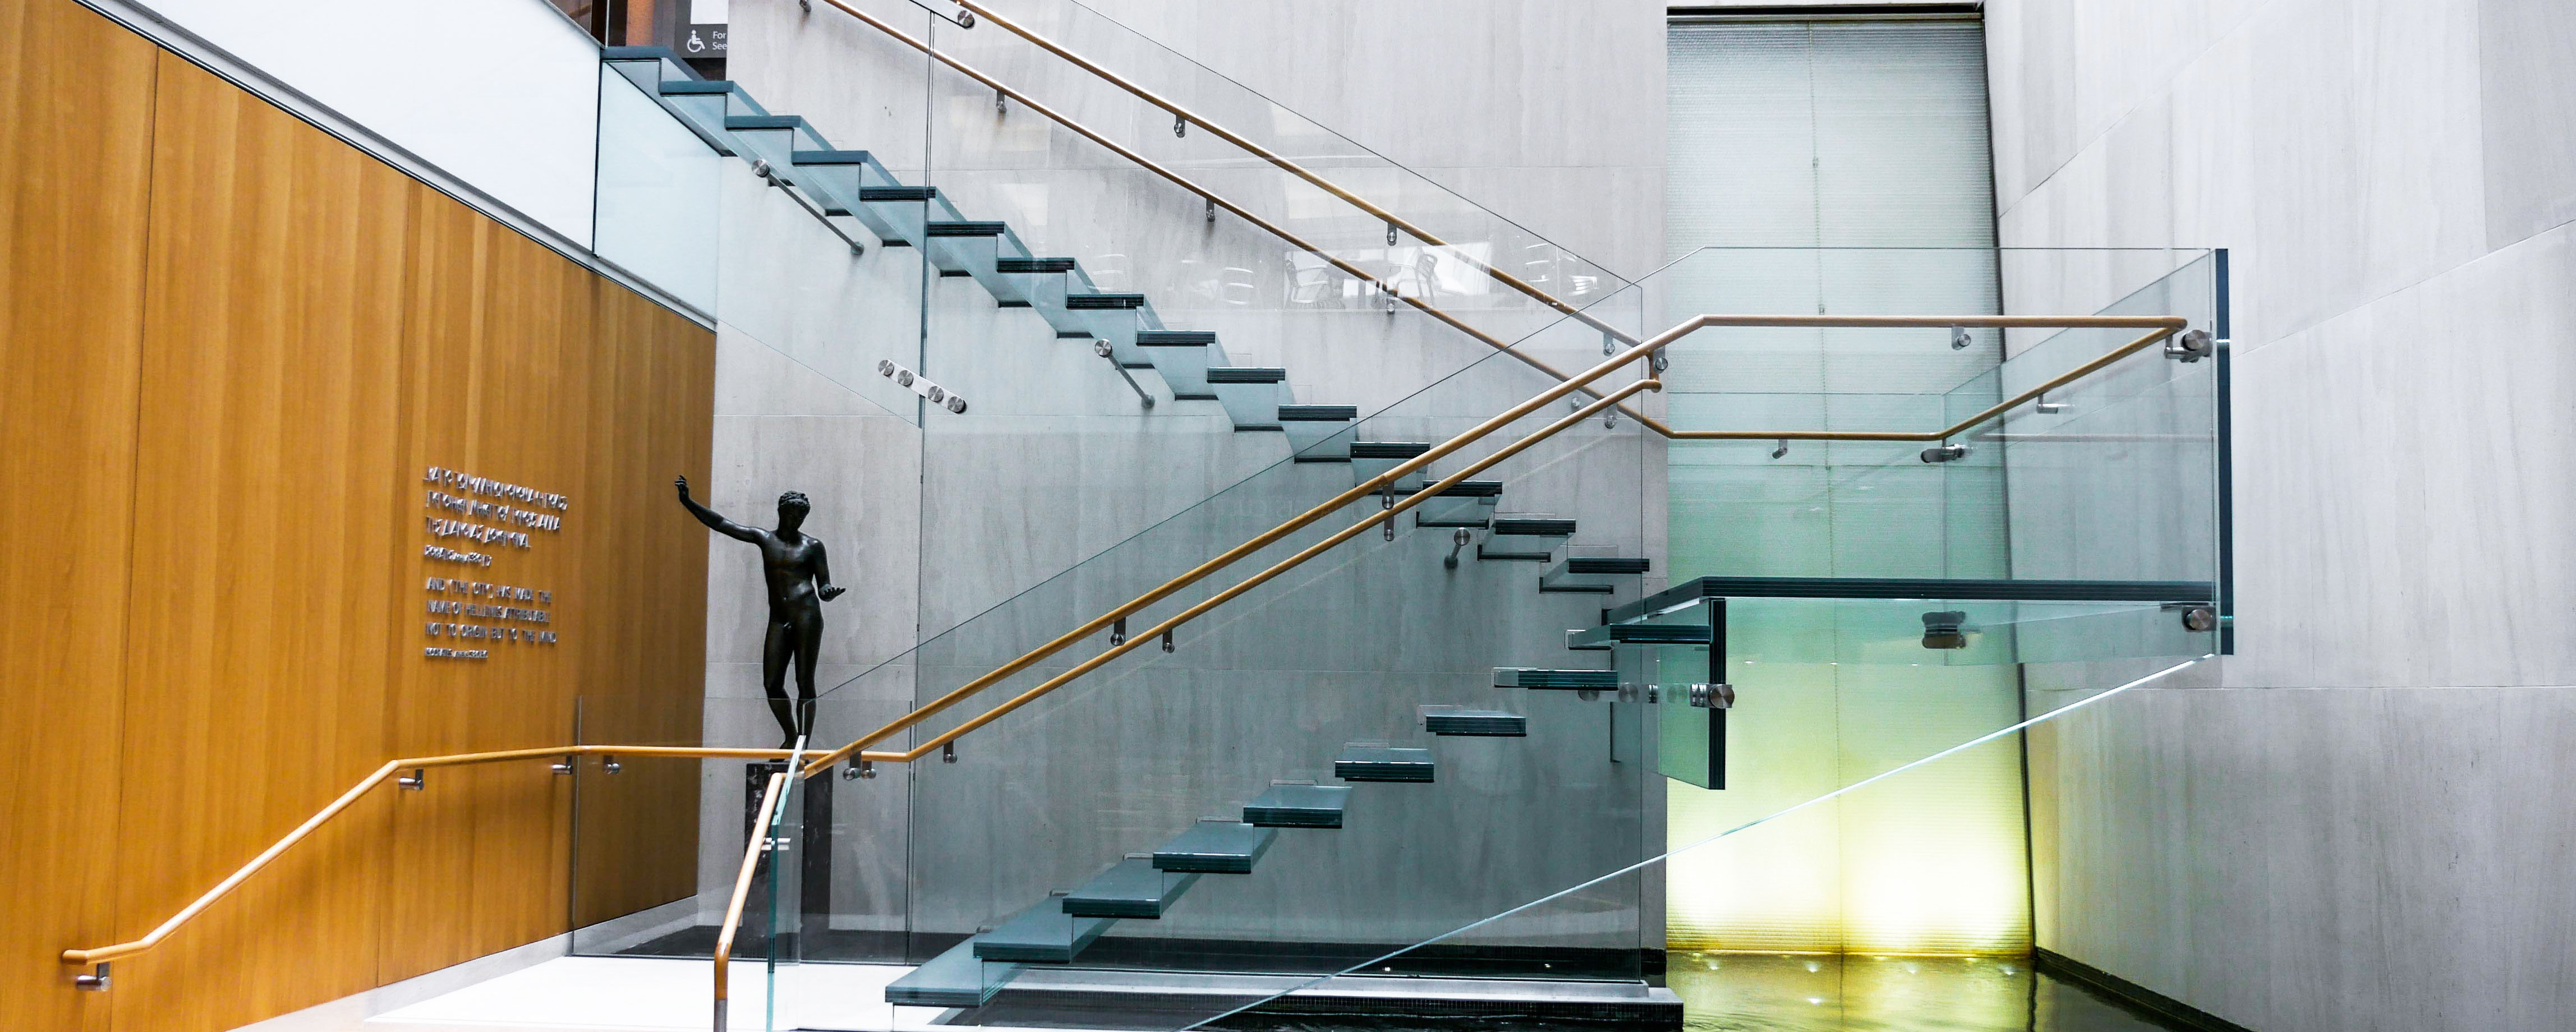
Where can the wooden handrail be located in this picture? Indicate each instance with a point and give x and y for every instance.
(741, 889)
(103, 954)
(2158, 328)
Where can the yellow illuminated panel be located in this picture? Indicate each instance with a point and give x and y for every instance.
(1928, 862)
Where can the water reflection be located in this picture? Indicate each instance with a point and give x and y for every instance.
(1827, 993)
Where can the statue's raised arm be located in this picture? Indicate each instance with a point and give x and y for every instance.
(715, 521)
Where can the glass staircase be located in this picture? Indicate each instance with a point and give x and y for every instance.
(1431, 759)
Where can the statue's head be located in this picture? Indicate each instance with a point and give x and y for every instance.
(792, 508)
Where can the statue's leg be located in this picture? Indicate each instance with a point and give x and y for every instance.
(775, 650)
(809, 644)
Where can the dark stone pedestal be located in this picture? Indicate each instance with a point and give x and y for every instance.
(809, 829)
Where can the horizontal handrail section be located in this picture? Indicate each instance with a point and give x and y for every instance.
(2157, 327)
(103, 954)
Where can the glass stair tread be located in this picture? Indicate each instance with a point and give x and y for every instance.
(1298, 806)
(1523, 538)
(1388, 449)
(1034, 265)
(952, 979)
(1466, 489)
(1215, 847)
(1590, 575)
(1571, 680)
(1043, 934)
(1383, 763)
(1251, 394)
(1183, 358)
(1599, 638)
(1466, 504)
(890, 194)
(1132, 888)
(1101, 302)
(965, 229)
(1318, 413)
(1472, 723)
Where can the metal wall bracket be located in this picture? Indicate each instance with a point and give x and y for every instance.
(1180, 124)
(861, 769)
(1390, 234)
(1959, 339)
(1945, 629)
(96, 981)
(1167, 641)
(562, 768)
(609, 764)
(415, 781)
(1781, 449)
(1457, 543)
(2189, 346)
(1118, 632)
(1144, 398)
(937, 395)
(1945, 453)
(948, 752)
(1711, 696)
(963, 19)
(2197, 617)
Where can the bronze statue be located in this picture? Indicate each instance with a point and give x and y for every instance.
(800, 581)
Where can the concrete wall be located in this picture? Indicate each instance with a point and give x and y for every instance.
(2355, 822)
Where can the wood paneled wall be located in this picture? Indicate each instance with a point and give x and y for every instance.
(233, 345)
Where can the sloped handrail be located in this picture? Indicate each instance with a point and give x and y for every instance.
(2157, 327)
(104, 954)
(741, 891)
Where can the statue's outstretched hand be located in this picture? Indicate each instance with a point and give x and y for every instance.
(831, 591)
(683, 484)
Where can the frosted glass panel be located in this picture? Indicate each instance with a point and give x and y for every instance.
(657, 209)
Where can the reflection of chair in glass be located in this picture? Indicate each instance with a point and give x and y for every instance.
(1236, 285)
(1309, 280)
(1538, 264)
(1420, 281)
(1109, 271)
(1195, 278)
